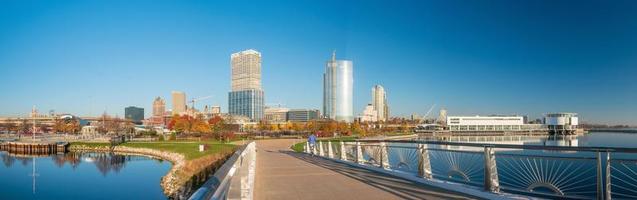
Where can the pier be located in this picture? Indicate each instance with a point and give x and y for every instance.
(35, 148)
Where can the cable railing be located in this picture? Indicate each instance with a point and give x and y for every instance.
(555, 172)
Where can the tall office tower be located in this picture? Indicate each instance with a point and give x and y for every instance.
(379, 101)
(338, 82)
(179, 102)
(159, 107)
(246, 96)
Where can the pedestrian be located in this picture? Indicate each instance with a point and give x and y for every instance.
(312, 141)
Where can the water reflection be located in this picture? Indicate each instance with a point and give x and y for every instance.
(114, 176)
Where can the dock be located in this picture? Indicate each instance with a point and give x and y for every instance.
(35, 148)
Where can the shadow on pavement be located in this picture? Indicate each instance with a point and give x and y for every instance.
(402, 188)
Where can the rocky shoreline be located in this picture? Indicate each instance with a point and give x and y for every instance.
(168, 182)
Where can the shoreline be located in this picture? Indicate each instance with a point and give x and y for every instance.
(168, 182)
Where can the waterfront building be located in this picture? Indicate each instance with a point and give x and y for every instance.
(179, 102)
(561, 123)
(338, 82)
(134, 114)
(302, 115)
(369, 114)
(276, 114)
(246, 97)
(490, 124)
(379, 103)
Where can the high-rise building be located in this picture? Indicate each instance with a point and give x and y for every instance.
(134, 114)
(379, 102)
(179, 102)
(159, 107)
(246, 96)
(338, 82)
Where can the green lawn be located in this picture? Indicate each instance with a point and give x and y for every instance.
(190, 149)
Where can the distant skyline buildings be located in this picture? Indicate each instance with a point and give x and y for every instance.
(159, 107)
(246, 97)
(420, 58)
(338, 84)
(179, 102)
(379, 103)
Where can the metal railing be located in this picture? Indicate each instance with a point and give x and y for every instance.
(556, 172)
(234, 179)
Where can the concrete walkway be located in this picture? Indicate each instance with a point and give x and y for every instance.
(282, 174)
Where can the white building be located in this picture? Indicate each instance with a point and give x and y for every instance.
(369, 114)
(561, 123)
(490, 123)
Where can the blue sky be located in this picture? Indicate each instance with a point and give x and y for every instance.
(472, 57)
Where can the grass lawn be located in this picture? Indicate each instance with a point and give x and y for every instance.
(190, 149)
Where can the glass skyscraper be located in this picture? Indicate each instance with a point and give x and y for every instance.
(246, 97)
(338, 82)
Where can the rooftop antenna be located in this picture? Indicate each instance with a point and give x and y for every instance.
(334, 55)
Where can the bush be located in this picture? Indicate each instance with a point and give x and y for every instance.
(173, 136)
(161, 138)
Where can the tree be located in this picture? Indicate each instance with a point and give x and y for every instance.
(217, 124)
(358, 130)
(58, 125)
(199, 125)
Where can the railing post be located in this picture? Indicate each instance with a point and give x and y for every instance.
(320, 149)
(384, 159)
(307, 147)
(359, 153)
(600, 182)
(343, 151)
(424, 164)
(330, 152)
(491, 181)
(608, 177)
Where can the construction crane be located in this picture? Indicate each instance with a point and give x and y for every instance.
(192, 102)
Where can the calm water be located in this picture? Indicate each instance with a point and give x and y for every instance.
(82, 176)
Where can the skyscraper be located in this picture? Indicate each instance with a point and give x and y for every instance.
(338, 82)
(159, 107)
(179, 102)
(246, 96)
(379, 101)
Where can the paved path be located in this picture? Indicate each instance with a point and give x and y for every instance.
(282, 174)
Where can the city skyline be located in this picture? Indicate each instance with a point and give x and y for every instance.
(85, 61)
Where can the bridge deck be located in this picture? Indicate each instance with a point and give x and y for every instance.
(282, 174)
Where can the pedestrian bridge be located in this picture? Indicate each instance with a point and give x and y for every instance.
(378, 169)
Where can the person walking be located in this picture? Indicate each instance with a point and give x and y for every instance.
(312, 141)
